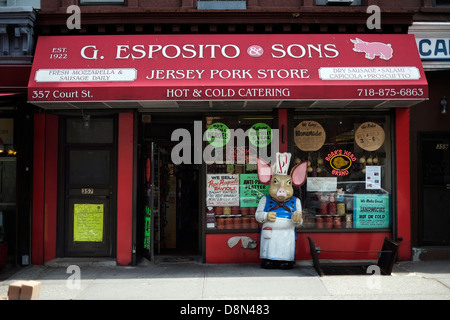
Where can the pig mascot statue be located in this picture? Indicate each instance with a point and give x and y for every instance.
(279, 211)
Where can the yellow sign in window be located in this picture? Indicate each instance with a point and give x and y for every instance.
(88, 223)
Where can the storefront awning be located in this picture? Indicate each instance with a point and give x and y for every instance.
(14, 78)
(212, 71)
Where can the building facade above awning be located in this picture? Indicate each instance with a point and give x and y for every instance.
(169, 71)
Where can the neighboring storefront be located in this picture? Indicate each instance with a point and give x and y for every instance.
(143, 150)
(430, 141)
(16, 54)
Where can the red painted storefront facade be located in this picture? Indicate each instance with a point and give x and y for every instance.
(46, 139)
(44, 241)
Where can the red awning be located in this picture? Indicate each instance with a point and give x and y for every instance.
(14, 78)
(139, 70)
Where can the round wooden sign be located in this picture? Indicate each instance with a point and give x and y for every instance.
(309, 135)
(369, 136)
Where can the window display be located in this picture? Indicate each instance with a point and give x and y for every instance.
(349, 170)
(233, 190)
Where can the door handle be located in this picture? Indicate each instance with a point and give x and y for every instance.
(101, 197)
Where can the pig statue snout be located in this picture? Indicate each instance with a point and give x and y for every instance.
(281, 193)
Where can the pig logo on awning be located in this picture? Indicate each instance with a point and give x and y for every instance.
(373, 49)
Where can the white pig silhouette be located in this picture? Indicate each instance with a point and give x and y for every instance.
(373, 49)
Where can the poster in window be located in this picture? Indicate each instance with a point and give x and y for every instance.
(88, 222)
(222, 190)
(251, 190)
(371, 211)
(373, 177)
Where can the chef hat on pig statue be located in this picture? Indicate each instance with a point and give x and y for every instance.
(280, 211)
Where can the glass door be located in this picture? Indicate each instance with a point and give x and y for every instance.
(434, 188)
(90, 176)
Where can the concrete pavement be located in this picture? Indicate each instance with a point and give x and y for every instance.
(421, 280)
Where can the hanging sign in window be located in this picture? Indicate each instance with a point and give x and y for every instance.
(309, 135)
(369, 136)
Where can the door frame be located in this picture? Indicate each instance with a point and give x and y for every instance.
(420, 182)
(143, 142)
(63, 179)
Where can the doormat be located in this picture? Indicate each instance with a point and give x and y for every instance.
(344, 270)
(175, 259)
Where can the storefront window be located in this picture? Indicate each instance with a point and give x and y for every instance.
(349, 170)
(7, 138)
(232, 186)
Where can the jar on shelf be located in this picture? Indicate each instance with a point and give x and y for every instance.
(237, 223)
(340, 207)
(228, 223)
(328, 222)
(235, 210)
(218, 211)
(227, 211)
(337, 222)
(332, 208)
(319, 222)
(323, 208)
(246, 222)
(332, 205)
(220, 223)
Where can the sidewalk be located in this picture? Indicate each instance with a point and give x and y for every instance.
(423, 280)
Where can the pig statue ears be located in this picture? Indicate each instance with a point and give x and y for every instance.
(264, 171)
(298, 173)
(281, 167)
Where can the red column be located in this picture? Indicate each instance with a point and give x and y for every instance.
(125, 189)
(51, 186)
(37, 226)
(403, 183)
(45, 192)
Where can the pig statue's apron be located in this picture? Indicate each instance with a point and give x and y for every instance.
(278, 238)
